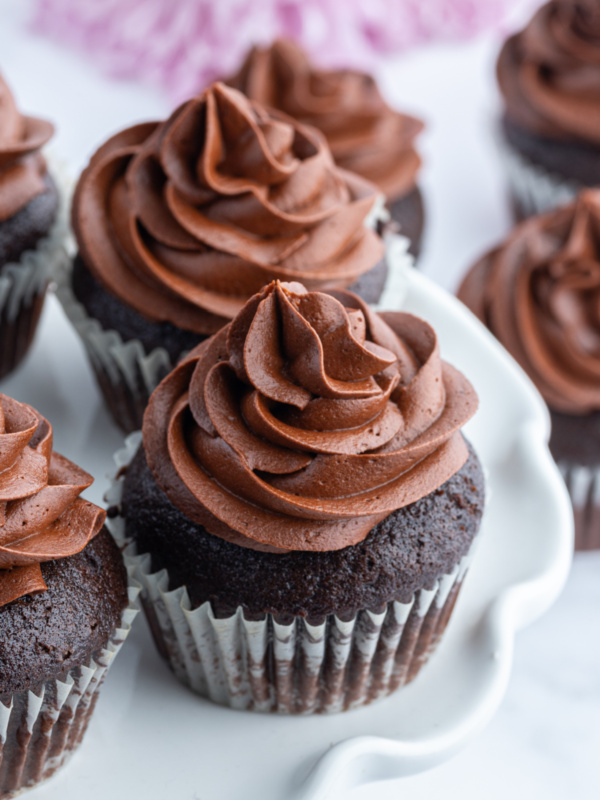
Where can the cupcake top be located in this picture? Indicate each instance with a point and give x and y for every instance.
(539, 294)
(42, 517)
(365, 135)
(22, 166)
(306, 421)
(185, 220)
(549, 73)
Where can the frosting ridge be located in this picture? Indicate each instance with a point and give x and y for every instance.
(185, 220)
(549, 73)
(307, 420)
(365, 135)
(22, 166)
(539, 294)
(42, 517)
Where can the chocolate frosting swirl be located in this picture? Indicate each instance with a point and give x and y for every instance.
(306, 421)
(187, 219)
(539, 293)
(549, 73)
(22, 166)
(365, 135)
(42, 517)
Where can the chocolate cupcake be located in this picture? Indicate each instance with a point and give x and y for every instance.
(179, 223)
(365, 135)
(65, 605)
(303, 506)
(30, 236)
(549, 76)
(539, 293)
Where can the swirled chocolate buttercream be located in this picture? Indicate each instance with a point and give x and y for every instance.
(22, 166)
(42, 517)
(306, 421)
(185, 220)
(539, 294)
(549, 73)
(365, 135)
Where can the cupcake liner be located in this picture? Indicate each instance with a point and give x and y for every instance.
(583, 484)
(39, 730)
(127, 375)
(399, 261)
(379, 213)
(23, 285)
(533, 188)
(264, 665)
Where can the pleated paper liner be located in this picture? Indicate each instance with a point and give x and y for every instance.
(583, 484)
(40, 730)
(293, 668)
(125, 373)
(23, 284)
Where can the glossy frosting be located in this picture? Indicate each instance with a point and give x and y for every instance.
(22, 166)
(187, 219)
(539, 293)
(42, 517)
(365, 135)
(306, 421)
(550, 72)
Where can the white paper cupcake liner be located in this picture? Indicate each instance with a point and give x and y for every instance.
(291, 668)
(533, 188)
(379, 213)
(23, 284)
(39, 731)
(127, 375)
(583, 484)
(400, 262)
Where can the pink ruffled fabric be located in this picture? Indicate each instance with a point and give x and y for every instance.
(183, 44)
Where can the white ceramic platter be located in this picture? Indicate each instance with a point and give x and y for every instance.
(151, 738)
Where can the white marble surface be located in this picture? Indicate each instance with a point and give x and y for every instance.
(544, 741)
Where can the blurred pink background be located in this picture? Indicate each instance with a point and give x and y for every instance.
(181, 45)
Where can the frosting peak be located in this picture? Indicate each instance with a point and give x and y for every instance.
(185, 220)
(42, 517)
(539, 293)
(22, 166)
(365, 135)
(549, 73)
(306, 421)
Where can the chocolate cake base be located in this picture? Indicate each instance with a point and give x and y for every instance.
(546, 173)
(115, 315)
(24, 230)
(573, 160)
(52, 661)
(576, 439)
(16, 335)
(18, 234)
(575, 445)
(370, 285)
(409, 213)
(407, 551)
(43, 636)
